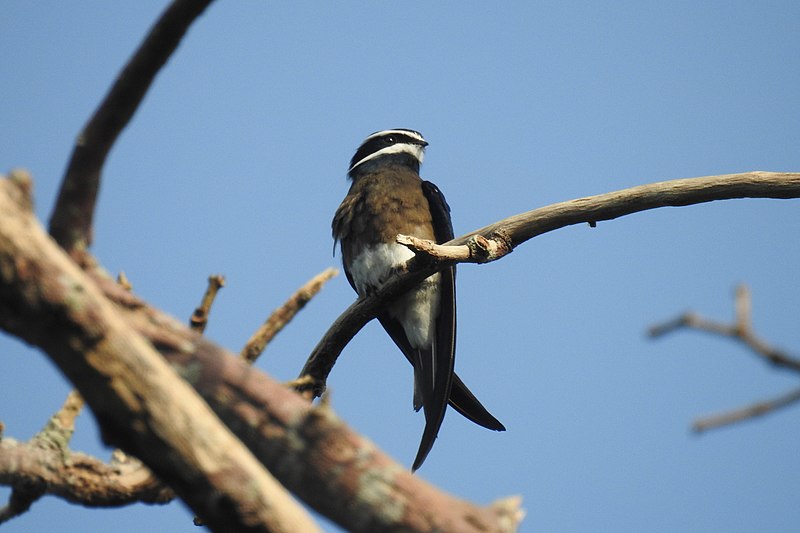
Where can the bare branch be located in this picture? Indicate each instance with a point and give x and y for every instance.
(199, 318)
(675, 193)
(283, 315)
(45, 465)
(746, 413)
(77, 477)
(71, 221)
(140, 403)
(509, 233)
(108, 353)
(54, 436)
(741, 330)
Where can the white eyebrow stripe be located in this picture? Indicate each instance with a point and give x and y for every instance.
(414, 150)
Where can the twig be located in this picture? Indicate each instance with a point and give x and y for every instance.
(20, 501)
(77, 477)
(513, 231)
(283, 315)
(61, 426)
(124, 282)
(746, 413)
(56, 435)
(741, 330)
(199, 318)
(71, 221)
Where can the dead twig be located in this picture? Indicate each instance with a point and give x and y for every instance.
(741, 330)
(283, 315)
(199, 318)
(746, 413)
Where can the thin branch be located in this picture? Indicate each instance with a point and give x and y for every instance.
(199, 318)
(675, 193)
(71, 221)
(76, 477)
(46, 465)
(509, 233)
(741, 330)
(746, 413)
(283, 315)
(20, 501)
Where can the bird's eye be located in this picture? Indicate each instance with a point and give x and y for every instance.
(389, 140)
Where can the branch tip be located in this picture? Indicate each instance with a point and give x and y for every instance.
(281, 316)
(23, 187)
(199, 319)
(509, 512)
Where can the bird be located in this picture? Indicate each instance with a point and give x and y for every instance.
(387, 197)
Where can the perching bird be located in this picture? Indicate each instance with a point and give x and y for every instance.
(388, 197)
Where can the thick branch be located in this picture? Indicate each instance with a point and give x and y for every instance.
(314, 454)
(140, 403)
(71, 222)
(46, 300)
(505, 235)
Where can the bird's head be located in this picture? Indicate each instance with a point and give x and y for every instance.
(388, 146)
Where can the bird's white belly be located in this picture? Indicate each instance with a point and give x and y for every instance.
(416, 310)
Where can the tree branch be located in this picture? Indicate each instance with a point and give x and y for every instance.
(140, 403)
(283, 315)
(199, 319)
(77, 477)
(499, 239)
(142, 407)
(741, 330)
(746, 413)
(54, 436)
(71, 221)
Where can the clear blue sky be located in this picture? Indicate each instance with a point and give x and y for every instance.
(236, 162)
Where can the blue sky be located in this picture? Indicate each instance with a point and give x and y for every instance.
(236, 162)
